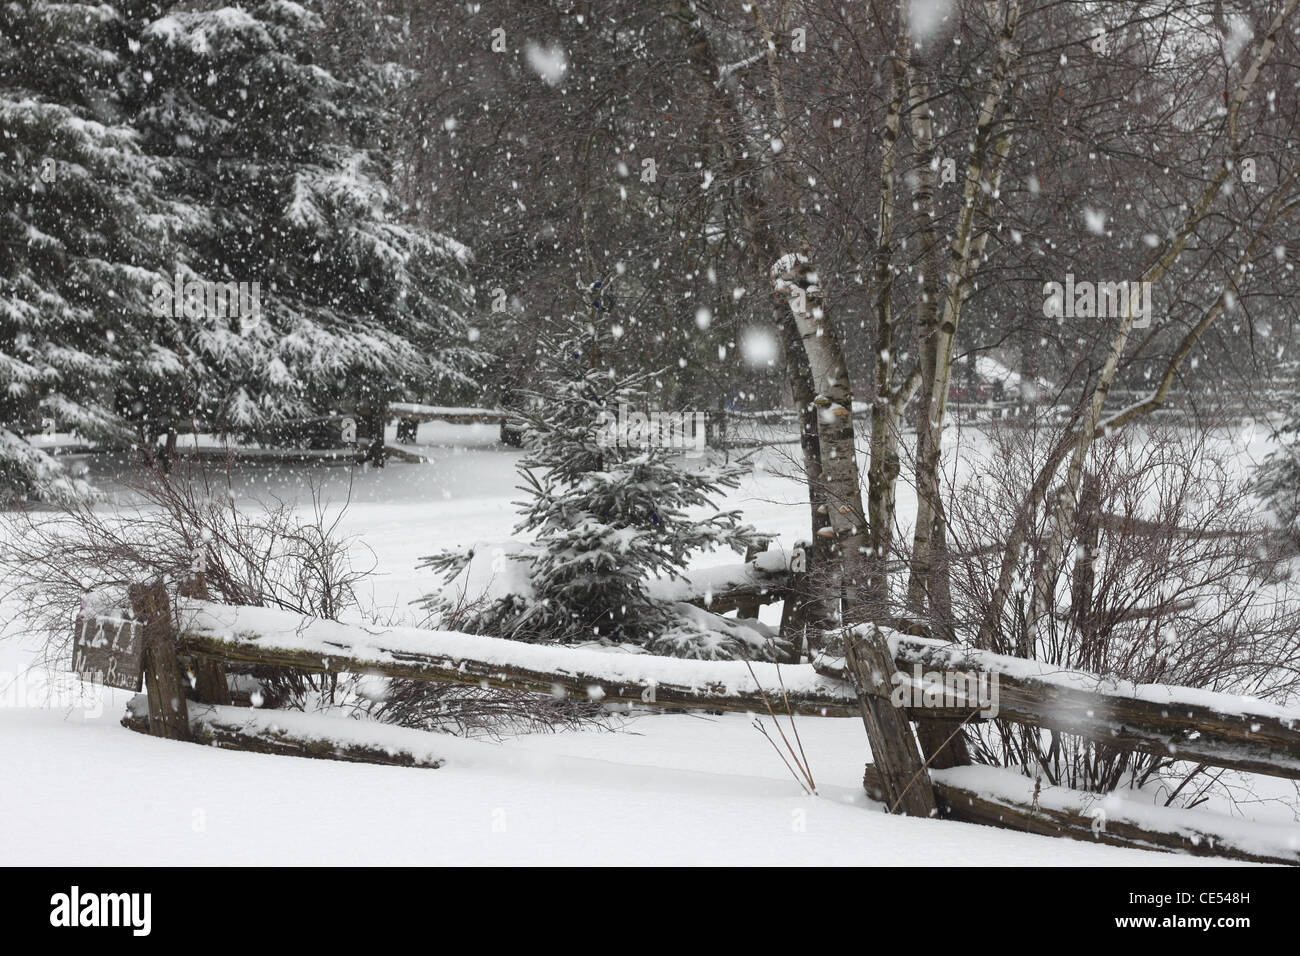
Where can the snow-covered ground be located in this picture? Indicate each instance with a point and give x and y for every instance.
(668, 790)
(77, 788)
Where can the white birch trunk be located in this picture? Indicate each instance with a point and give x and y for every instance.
(965, 251)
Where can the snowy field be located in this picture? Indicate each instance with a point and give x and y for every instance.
(659, 789)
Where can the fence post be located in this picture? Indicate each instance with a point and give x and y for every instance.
(748, 610)
(210, 684)
(944, 743)
(902, 773)
(407, 429)
(794, 609)
(373, 415)
(168, 714)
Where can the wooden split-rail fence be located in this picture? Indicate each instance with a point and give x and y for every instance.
(920, 763)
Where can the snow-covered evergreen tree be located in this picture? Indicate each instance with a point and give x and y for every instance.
(1279, 476)
(141, 142)
(272, 135)
(81, 232)
(608, 508)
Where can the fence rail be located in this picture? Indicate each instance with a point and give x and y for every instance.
(281, 638)
(1220, 730)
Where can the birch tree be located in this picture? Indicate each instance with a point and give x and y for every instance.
(988, 152)
(1066, 500)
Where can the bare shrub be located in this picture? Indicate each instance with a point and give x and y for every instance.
(1175, 577)
(176, 527)
(184, 527)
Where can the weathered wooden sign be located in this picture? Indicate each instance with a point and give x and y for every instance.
(109, 649)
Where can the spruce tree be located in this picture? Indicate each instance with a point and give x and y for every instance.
(82, 232)
(142, 141)
(607, 507)
(272, 135)
(1279, 476)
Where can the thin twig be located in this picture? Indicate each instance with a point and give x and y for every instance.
(811, 785)
(758, 725)
(793, 726)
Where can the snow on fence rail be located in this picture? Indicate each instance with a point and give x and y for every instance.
(295, 734)
(1201, 726)
(1205, 727)
(765, 577)
(268, 636)
(996, 797)
(1222, 730)
(416, 412)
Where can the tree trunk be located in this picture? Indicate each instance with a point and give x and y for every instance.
(983, 176)
(765, 248)
(920, 94)
(884, 465)
(1084, 572)
(373, 416)
(796, 282)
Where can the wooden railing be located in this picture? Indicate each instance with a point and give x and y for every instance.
(1213, 729)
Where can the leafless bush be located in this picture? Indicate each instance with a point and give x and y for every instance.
(791, 754)
(1175, 577)
(182, 527)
